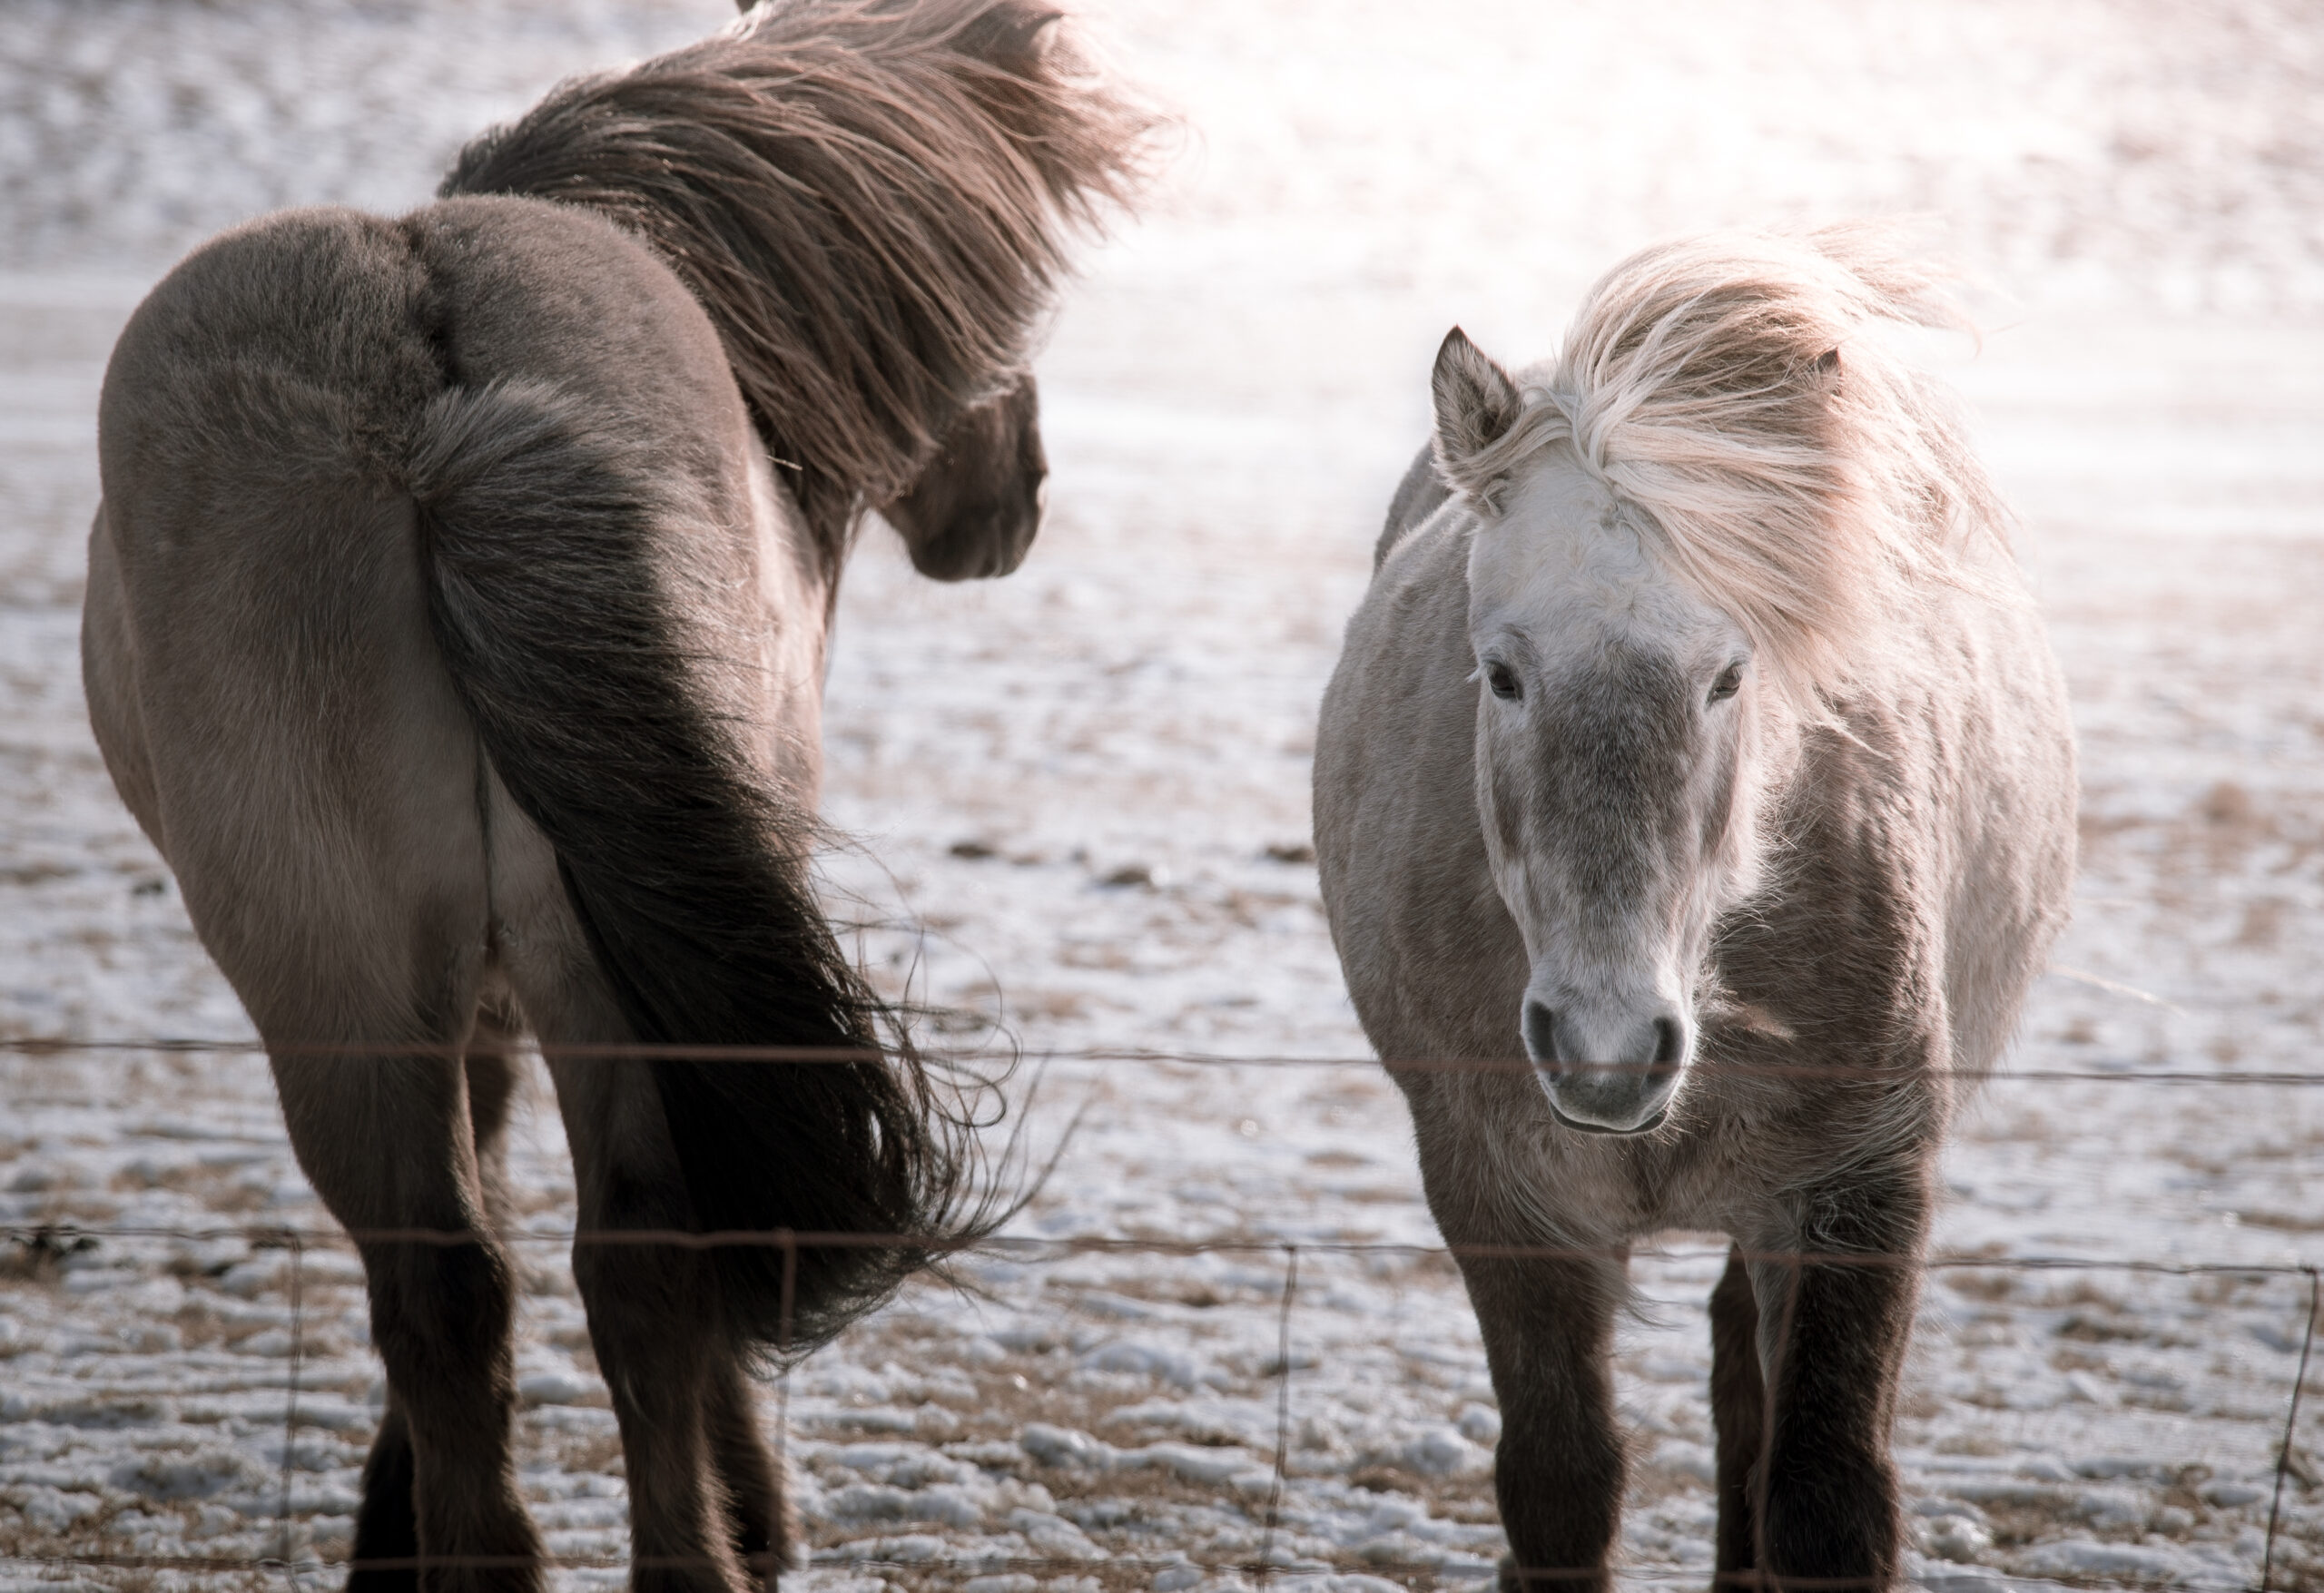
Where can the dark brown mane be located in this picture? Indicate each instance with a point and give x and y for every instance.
(868, 198)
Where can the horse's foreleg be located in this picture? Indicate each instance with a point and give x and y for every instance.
(1738, 1409)
(1832, 1339)
(1548, 1323)
(1548, 1330)
(655, 1322)
(387, 1531)
(387, 1142)
(1548, 1326)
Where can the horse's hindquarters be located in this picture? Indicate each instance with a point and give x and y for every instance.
(109, 682)
(271, 700)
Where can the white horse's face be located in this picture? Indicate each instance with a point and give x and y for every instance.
(1614, 742)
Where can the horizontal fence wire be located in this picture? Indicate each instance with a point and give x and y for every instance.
(59, 1237)
(1055, 1565)
(1057, 1246)
(828, 1056)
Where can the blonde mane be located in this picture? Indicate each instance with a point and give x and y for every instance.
(1775, 457)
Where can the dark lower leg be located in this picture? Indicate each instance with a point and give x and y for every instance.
(1557, 1472)
(660, 1335)
(1738, 1408)
(386, 1529)
(758, 1512)
(441, 1315)
(652, 1321)
(388, 1144)
(1833, 1339)
(1548, 1327)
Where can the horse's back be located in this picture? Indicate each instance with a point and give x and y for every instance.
(1419, 495)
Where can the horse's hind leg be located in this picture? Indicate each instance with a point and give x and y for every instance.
(1739, 1403)
(757, 1507)
(389, 1527)
(388, 1143)
(655, 1319)
(492, 1072)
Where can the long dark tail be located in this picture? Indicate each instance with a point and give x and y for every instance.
(686, 866)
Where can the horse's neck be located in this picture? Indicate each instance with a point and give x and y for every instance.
(785, 626)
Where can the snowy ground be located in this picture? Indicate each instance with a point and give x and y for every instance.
(1231, 392)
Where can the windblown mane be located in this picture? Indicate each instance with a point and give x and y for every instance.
(868, 197)
(1727, 391)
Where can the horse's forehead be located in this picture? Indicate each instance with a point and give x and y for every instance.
(1563, 565)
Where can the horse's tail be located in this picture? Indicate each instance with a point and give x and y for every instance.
(685, 866)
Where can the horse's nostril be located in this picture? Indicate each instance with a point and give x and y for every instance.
(1669, 1041)
(1541, 1032)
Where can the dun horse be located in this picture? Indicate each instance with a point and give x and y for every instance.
(1696, 751)
(456, 627)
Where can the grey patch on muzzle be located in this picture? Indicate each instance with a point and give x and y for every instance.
(1610, 1078)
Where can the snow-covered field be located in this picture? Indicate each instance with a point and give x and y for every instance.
(1087, 785)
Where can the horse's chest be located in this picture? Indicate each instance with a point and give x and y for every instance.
(1614, 1190)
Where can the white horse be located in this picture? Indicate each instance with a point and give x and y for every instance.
(1697, 752)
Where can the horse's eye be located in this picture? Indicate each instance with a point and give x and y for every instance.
(1504, 682)
(1729, 682)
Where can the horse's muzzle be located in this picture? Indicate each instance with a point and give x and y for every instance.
(1602, 1077)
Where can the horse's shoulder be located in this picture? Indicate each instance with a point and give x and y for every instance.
(1419, 495)
(1431, 954)
(1406, 645)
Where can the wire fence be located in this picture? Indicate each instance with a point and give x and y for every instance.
(2111, 1073)
(63, 1238)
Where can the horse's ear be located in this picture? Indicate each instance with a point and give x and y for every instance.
(1013, 36)
(1476, 404)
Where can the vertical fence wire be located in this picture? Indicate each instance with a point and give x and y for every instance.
(1282, 1411)
(2291, 1432)
(287, 1520)
(790, 1243)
